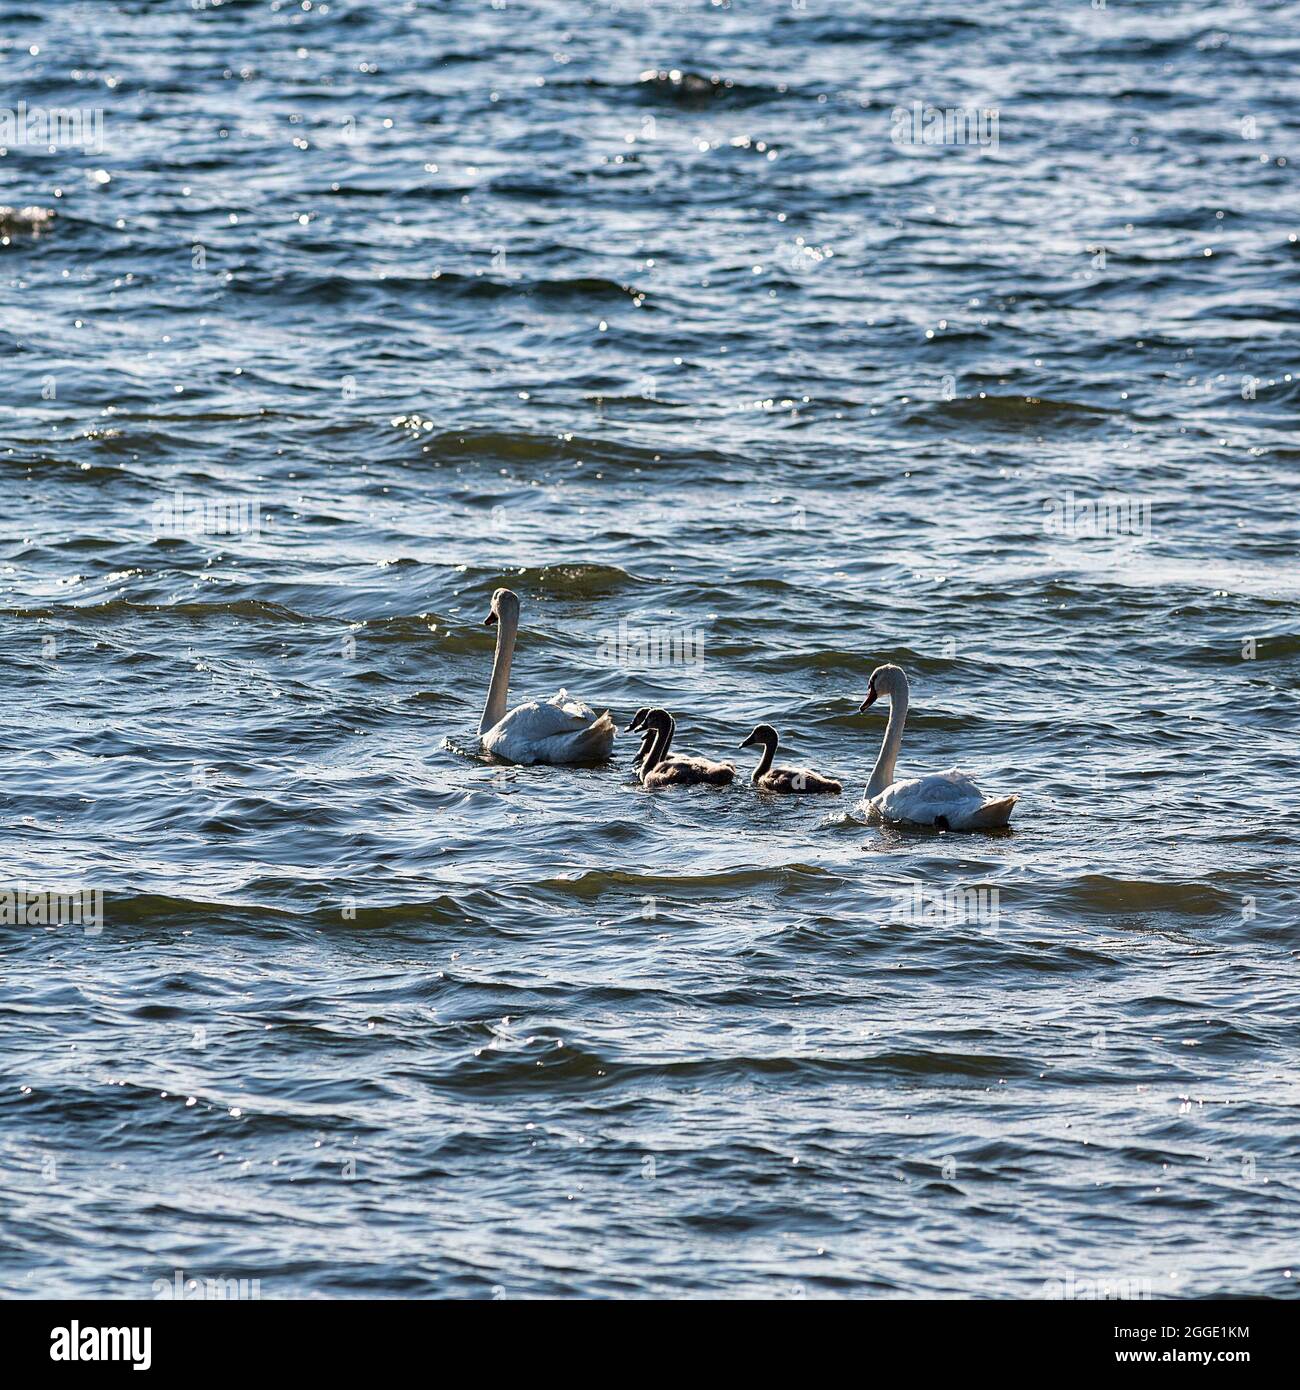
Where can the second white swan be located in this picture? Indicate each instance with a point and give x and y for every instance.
(558, 730)
(948, 800)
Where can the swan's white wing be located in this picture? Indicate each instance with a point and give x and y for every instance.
(545, 718)
(920, 800)
(558, 730)
(579, 710)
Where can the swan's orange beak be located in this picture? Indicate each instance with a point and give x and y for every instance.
(869, 701)
(491, 618)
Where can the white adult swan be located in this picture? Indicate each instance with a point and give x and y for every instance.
(949, 800)
(558, 730)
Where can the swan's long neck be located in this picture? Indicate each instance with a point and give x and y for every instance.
(659, 734)
(765, 762)
(499, 687)
(883, 772)
(659, 750)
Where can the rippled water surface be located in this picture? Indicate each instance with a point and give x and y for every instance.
(651, 313)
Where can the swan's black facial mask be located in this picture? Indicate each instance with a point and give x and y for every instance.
(490, 620)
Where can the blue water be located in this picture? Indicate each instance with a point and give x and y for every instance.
(459, 297)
